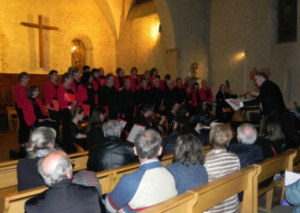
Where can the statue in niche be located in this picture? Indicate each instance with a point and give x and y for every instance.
(78, 54)
(195, 70)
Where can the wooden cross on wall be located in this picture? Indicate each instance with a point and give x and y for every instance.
(41, 27)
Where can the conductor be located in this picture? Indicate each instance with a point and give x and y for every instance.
(269, 96)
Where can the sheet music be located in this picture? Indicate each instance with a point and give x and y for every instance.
(122, 122)
(134, 131)
(233, 105)
(290, 178)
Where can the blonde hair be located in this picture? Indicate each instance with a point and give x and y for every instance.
(40, 139)
(220, 136)
(270, 128)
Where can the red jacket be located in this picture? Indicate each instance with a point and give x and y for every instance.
(194, 98)
(83, 96)
(28, 111)
(202, 93)
(50, 92)
(61, 97)
(162, 85)
(133, 85)
(20, 95)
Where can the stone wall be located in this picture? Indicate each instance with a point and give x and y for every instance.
(75, 20)
(239, 25)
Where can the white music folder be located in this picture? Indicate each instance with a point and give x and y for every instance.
(134, 131)
(233, 105)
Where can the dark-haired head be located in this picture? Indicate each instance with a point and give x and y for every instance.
(65, 76)
(205, 118)
(188, 150)
(86, 68)
(22, 75)
(97, 118)
(182, 124)
(168, 77)
(53, 72)
(153, 72)
(85, 79)
(134, 69)
(31, 90)
(271, 128)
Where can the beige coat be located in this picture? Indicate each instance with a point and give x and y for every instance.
(218, 163)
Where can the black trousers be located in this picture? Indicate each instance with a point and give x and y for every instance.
(54, 115)
(24, 130)
(66, 144)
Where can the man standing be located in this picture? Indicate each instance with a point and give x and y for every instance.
(119, 79)
(143, 94)
(157, 96)
(113, 152)
(150, 185)
(269, 96)
(126, 103)
(179, 92)
(62, 196)
(246, 150)
(108, 96)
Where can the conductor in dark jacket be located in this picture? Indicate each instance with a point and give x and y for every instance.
(63, 196)
(269, 96)
(113, 152)
(246, 150)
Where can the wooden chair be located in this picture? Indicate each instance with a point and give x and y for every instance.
(181, 203)
(78, 148)
(268, 168)
(213, 193)
(12, 119)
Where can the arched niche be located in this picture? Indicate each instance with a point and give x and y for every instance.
(89, 58)
(77, 54)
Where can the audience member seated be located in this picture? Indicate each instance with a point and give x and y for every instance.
(150, 185)
(205, 120)
(33, 111)
(219, 163)
(245, 149)
(75, 134)
(270, 137)
(145, 119)
(113, 152)
(94, 131)
(41, 143)
(63, 195)
(292, 196)
(188, 169)
(180, 127)
(270, 141)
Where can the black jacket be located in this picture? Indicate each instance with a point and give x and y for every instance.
(248, 154)
(112, 153)
(126, 102)
(109, 96)
(169, 99)
(156, 98)
(180, 94)
(142, 96)
(269, 96)
(65, 197)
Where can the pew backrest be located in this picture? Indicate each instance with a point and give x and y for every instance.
(215, 192)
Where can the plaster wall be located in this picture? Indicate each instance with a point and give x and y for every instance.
(75, 20)
(239, 25)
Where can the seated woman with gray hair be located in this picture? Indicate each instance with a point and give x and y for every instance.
(41, 143)
(219, 163)
(187, 167)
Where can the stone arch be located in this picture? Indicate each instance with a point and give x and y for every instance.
(89, 59)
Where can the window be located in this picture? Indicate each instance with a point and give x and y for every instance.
(287, 21)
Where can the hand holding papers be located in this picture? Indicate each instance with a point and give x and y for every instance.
(234, 103)
(134, 131)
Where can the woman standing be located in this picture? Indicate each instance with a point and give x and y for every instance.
(67, 100)
(75, 74)
(33, 111)
(86, 94)
(20, 96)
(51, 88)
(134, 79)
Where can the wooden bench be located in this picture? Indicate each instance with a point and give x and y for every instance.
(12, 119)
(212, 193)
(8, 174)
(268, 168)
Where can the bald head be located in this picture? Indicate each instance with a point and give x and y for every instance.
(55, 167)
(247, 134)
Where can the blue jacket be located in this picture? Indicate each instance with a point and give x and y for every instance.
(292, 195)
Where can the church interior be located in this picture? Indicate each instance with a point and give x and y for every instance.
(227, 40)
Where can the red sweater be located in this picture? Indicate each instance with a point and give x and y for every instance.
(20, 95)
(50, 92)
(133, 84)
(194, 98)
(203, 95)
(83, 96)
(28, 111)
(61, 97)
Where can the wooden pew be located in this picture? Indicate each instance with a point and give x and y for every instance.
(268, 168)
(212, 193)
(8, 174)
